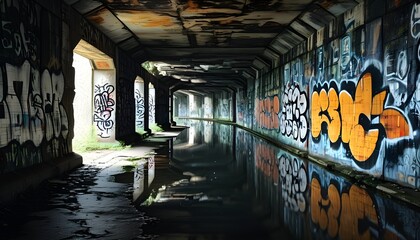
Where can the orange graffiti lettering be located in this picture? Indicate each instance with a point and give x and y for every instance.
(267, 113)
(362, 140)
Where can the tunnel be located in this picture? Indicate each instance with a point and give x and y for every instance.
(193, 119)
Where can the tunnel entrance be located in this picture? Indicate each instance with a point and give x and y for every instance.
(95, 97)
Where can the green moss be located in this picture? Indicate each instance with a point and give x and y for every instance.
(156, 128)
(90, 143)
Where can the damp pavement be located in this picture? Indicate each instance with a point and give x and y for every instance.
(209, 181)
(94, 201)
(103, 200)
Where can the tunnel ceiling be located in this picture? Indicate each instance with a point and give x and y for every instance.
(215, 43)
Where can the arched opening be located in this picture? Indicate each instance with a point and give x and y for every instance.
(95, 97)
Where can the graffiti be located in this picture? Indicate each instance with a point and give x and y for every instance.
(266, 161)
(346, 214)
(415, 101)
(293, 120)
(224, 108)
(52, 94)
(16, 154)
(320, 66)
(139, 109)
(396, 72)
(267, 113)
(354, 17)
(415, 21)
(350, 64)
(31, 107)
(350, 118)
(294, 182)
(103, 109)
(25, 113)
(415, 32)
(296, 71)
(20, 27)
(152, 107)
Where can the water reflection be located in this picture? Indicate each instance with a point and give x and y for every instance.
(203, 144)
(230, 167)
(143, 172)
(317, 204)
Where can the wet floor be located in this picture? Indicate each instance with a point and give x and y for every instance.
(211, 181)
(238, 186)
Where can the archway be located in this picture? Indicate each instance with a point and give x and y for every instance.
(95, 96)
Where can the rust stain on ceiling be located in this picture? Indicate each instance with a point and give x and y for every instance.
(223, 36)
(146, 19)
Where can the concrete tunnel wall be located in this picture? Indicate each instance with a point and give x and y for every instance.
(349, 95)
(37, 90)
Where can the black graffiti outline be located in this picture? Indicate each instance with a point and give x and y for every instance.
(103, 109)
(293, 117)
(140, 108)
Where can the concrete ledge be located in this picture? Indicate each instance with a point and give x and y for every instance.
(12, 184)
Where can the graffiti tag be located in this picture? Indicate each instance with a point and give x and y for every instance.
(103, 109)
(267, 113)
(351, 118)
(293, 121)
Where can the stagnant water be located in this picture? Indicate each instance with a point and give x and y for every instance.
(235, 185)
(212, 181)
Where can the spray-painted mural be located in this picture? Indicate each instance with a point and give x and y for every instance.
(103, 112)
(314, 203)
(32, 115)
(267, 113)
(354, 100)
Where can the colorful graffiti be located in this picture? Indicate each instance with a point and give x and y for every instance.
(403, 77)
(103, 109)
(349, 118)
(267, 113)
(294, 182)
(31, 107)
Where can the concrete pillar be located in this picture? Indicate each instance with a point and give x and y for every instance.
(146, 107)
